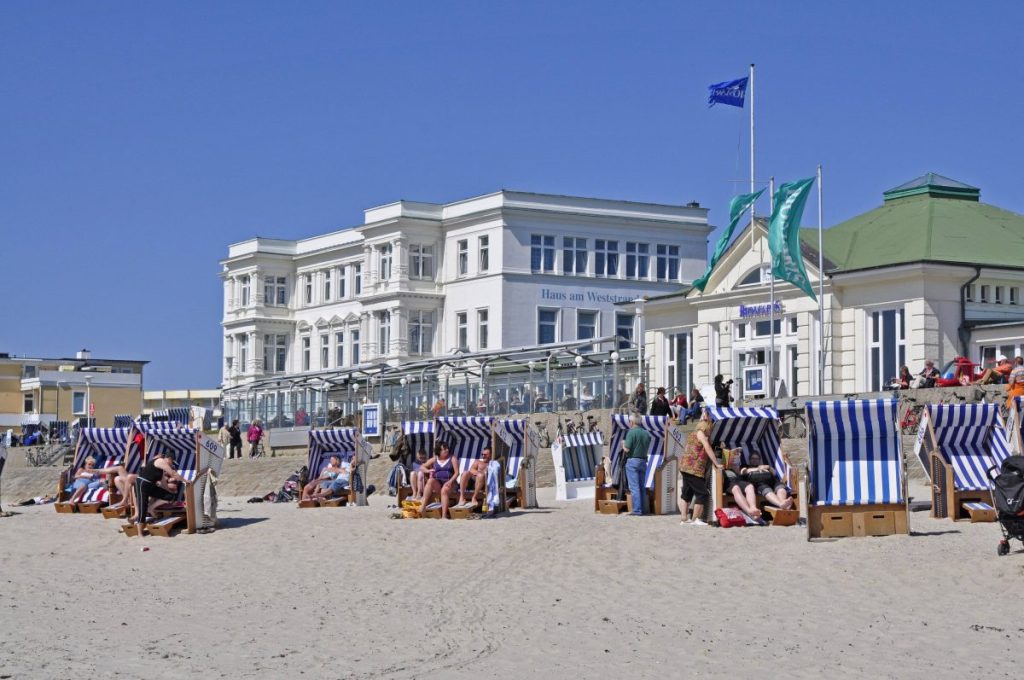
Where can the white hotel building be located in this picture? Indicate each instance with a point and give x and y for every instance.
(420, 280)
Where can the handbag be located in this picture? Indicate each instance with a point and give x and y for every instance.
(730, 517)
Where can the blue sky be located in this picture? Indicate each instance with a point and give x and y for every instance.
(138, 139)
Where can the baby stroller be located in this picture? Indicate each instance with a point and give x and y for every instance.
(1008, 496)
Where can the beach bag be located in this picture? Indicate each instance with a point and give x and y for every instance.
(730, 517)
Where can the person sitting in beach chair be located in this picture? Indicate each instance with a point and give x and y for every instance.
(156, 485)
(90, 478)
(757, 479)
(418, 478)
(440, 470)
(312, 490)
(477, 474)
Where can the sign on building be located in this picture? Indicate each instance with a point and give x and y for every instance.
(371, 420)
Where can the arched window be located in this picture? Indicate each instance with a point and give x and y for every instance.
(757, 276)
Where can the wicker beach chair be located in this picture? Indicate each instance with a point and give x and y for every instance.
(577, 459)
(660, 477)
(108, 446)
(956, 445)
(347, 444)
(856, 483)
(517, 444)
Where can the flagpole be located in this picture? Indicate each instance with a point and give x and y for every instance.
(751, 84)
(821, 293)
(771, 307)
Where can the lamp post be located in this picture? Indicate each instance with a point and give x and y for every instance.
(405, 401)
(88, 401)
(638, 305)
(604, 377)
(486, 372)
(615, 379)
(531, 364)
(579, 385)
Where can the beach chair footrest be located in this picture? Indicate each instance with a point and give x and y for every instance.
(979, 512)
(464, 512)
(309, 504)
(165, 526)
(114, 511)
(783, 518)
(90, 508)
(611, 507)
(65, 508)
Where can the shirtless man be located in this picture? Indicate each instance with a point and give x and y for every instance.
(477, 471)
(327, 476)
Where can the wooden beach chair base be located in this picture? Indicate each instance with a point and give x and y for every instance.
(309, 504)
(612, 507)
(337, 502)
(115, 511)
(433, 513)
(65, 508)
(780, 517)
(130, 530)
(90, 508)
(860, 520)
(164, 527)
(979, 512)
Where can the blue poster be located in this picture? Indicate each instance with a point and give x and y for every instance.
(371, 420)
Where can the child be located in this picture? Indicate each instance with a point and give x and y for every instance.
(418, 476)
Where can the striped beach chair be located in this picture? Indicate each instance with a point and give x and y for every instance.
(517, 443)
(577, 458)
(169, 436)
(108, 446)
(345, 443)
(467, 437)
(182, 415)
(659, 477)
(417, 435)
(751, 431)
(856, 483)
(59, 430)
(122, 420)
(956, 445)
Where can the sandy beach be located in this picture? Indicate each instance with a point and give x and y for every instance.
(559, 591)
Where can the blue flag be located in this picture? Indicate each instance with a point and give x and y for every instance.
(737, 206)
(731, 92)
(784, 235)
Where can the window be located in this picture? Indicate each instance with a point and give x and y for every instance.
(339, 350)
(756, 277)
(29, 371)
(999, 295)
(357, 280)
(668, 263)
(485, 253)
(342, 276)
(984, 294)
(887, 347)
(421, 332)
(547, 326)
(461, 331)
(325, 351)
(308, 297)
(355, 348)
(740, 331)
(792, 325)
(275, 353)
(305, 353)
(30, 402)
(970, 293)
(385, 262)
(243, 353)
(78, 403)
(763, 328)
(586, 325)
(383, 332)
(679, 364)
(606, 257)
(421, 261)
(542, 253)
(637, 260)
(481, 328)
(328, 275)
(624, 329)
(1014, 295)
(274, 291)
(245, 291)
(463, 257)
(574, 255)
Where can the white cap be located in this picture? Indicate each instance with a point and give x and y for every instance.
(1002, 357)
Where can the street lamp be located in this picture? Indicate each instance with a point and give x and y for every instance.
(638, 306)
(88, 401)
(579, 386)
(405, 402)
(615, 379)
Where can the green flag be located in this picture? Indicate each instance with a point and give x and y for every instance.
(737, 206)
(784, 234)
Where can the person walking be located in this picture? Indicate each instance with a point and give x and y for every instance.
(224, 435)
(255, 436)
(635, 447)
(660, 405)
(640, 399)
(693, 466)
(234, 440)
(722, 396)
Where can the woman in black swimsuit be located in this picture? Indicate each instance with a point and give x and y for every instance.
(150, 483)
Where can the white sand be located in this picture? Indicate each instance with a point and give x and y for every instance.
(557, 592)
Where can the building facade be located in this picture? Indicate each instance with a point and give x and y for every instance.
(933, 273)
(156, 400)
(421, 280)
(38, 391)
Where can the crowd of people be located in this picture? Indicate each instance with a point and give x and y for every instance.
(1007, 371)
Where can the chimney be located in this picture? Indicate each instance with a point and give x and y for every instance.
(82, 354)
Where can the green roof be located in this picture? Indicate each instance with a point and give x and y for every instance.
(929, 219)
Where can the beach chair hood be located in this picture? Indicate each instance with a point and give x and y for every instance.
(752, 430)
(654, 426)
(971, 438)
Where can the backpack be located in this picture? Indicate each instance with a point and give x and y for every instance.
(1008, 487)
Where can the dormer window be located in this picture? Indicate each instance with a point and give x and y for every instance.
(757, 276)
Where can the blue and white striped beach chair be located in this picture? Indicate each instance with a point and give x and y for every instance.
(418, 435)
(107, 446)
(517, 444)
(123, 420)
(956, 445)
(161, 436)
(467, 437)
(856, 482)
(345, 443)
(577, 458)
(752, 431)
(658, 480)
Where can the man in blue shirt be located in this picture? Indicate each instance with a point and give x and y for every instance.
(635, 447)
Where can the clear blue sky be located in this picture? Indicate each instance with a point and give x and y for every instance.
(138, 139)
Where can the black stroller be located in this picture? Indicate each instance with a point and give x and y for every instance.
(1008, 497)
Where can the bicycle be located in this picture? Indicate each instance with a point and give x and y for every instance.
(257, 449)
(911, 418)
(542, 433)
